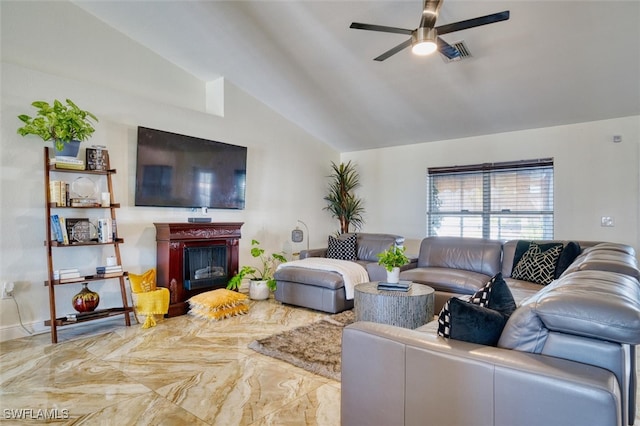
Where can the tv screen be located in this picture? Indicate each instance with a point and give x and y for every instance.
(183, 171)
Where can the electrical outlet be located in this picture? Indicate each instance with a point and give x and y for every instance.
(7, 290)
(606, 221)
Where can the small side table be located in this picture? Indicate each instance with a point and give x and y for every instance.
(409, 309)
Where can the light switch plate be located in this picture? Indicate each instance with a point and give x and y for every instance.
(606, 221)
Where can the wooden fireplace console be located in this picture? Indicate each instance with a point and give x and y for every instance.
(173, 238)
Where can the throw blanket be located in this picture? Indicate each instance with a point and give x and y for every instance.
(352, 272)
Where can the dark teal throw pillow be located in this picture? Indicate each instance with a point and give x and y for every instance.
(475, 324)
(568, 255)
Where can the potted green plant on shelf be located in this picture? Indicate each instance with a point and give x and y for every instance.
(64, 124)
(262, 280)
(393, 259)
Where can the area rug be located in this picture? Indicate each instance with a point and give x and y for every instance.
(315, 347)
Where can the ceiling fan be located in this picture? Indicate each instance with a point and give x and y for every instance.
(425, 39)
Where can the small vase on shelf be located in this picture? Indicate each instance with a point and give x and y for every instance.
(87, 300)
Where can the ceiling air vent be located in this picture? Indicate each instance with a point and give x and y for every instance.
(462, 48)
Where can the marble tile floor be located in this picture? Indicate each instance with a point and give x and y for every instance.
(184, 371)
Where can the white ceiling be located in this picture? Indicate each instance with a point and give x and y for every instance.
(552, 63)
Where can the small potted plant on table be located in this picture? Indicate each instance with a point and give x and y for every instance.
(65, 125)
(262, 281)
(392, 259)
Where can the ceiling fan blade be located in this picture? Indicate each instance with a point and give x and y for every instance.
(381, 28)
(393, 51)
(447, 50)
(471, 23)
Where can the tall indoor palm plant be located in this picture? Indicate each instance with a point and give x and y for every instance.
(342, 202)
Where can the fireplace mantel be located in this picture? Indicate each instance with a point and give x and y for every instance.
(171, 241)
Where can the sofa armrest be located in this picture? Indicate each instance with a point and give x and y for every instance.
(392, 375)
(317, 252)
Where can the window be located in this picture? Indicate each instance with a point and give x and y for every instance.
(498, 200)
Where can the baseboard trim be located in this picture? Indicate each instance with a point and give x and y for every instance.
(10, 332)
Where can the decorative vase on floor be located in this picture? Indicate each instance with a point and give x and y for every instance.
(87, 300)
(393, 276)
(258, 290)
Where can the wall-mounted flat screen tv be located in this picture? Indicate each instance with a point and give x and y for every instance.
(183, 171)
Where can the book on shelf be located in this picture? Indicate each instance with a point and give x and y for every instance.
(85, 315)
(63, 230)
(58, 192)
(84, 202)
(114, 229)
(110, 275)
(71, 280)
(56, 230)
(73, 163)
(109, 268)
(69, 275)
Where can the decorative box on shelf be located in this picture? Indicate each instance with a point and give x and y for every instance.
(97, 158)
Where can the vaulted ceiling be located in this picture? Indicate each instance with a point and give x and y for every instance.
(551, 63)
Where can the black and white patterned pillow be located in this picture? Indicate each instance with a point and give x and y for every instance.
(483, 295)
(342, 248)
(537, 266)
(444, 320)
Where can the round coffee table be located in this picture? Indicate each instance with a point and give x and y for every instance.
(408, 309)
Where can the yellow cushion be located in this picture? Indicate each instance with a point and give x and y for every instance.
(221, 313)
(143, 283)
(218, 304)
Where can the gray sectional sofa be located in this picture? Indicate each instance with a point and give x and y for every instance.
(567, 354)
(324, 290)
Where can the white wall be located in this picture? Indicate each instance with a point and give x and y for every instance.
(287, 168)
(594, 177)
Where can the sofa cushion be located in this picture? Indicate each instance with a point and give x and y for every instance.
(343, 248)
(446, 279)
(368, 246)
(607, 260)
(312, 277)
(478, 255)
(538, 263)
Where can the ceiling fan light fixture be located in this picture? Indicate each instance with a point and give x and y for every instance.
(423, 41)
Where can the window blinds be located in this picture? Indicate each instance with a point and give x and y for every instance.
(495, 200)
